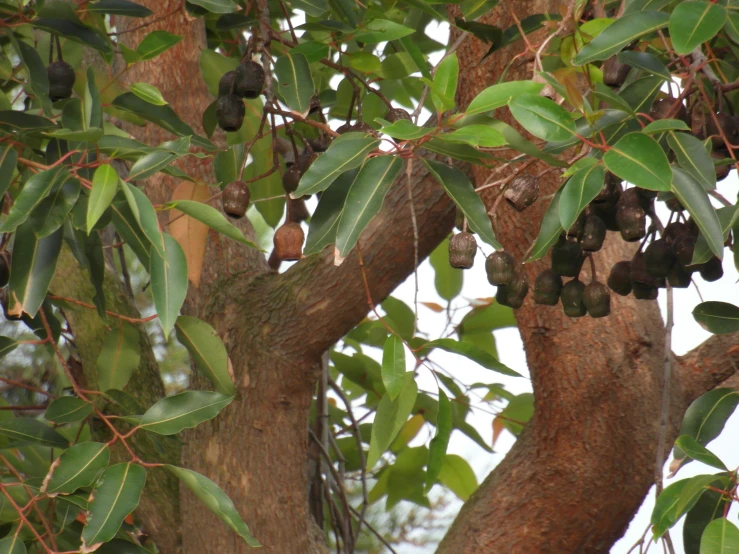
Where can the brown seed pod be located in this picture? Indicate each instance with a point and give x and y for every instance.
(614, 72)
(567, 258)
(593, 234)
(249, 80)
(462, 249)
(235, 198)
(722, 171)
(226, 84)
(577, 228)
(683, 247)
(597, 299)
(607, 213)
(345, 128)
(522, 191)
(4, 268)
(572, 299)
(397, 114)
(679, 277)
(639, 272)
(712, 270)
(632, 223)
(547, 288)
(500, 267)
(699, 117)
(611, 191)
(288, 242)
(619, 279)
(298, 210)
(659, 258)
(635, 197)
(644, 292)
(514, 294)
(674, 205)
(230, 112)
(664, 107)
(306, 159)
(675, 230)
(315, 105)
(726, 124)
(291, 179)
(61, 80)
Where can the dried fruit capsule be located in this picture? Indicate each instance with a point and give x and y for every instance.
(643, 285)
(345, 128)
(597, 299)
(567, 259)
(726, 125)
(644, 292)
(522, 191)
(712, 270)
(547, 288)
(675, 230)
(683, 247)
(614, 72)
(298, 210)
(572, 299)
(226, 84)
(577, 228)
(4, 269)
(632, 222)
(619, 280)
(306, 159)
(513, 295)
(722, 171)
(666, 106)
(230, 112)
(235, 198)
(291, 179)
(659, 258)
(61, 80)
(635, 197)
(674, 205)
(607, 213)
(462, 249)
(249, 80)
(500, 268)
(679, 277)
(593, 234)
(396, 114)
(611, 191)
(288, 242)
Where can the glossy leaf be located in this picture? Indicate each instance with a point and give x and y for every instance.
(75, 31)
(710, 506)
(215, 500)
(7, 345)
(325, 220)
(155, 43)
(619, 34)
(53, 210)
(445, 83)
(345, 153)
(447, 279)
(31, 269)
(440, 442)
(695, 199)
(365, 198)
(728, 217)
(693, 490)
(173, 414)
(477, 136)
(31, 195)
(207, 352)
(130, 231)
(26, 430)
(78, 467)
(115, 495)
(119, 7)
(500, 95)
(104, 188)
(664, 514)
(68, 409)
(720, 537)
(638, 159)
(145, 216)
(719, 318)
(664, 125)
(390, 417)
(212, 218)
(393, 366)
(457, 475)
(693, 23)
(472, 352)
(119, 357)
(693, 449)
(551, 228)
(381, 30)
(693, 158)
(542, 117)
(462, 192)
(8, 159)
(164, 116)
(168, 282)
(294, 81)
(148, 93)
(406, 130)
(13, 544)
(578, 192)
(646, 62)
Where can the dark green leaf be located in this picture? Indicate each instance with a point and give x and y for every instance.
(458, 151)
(710, 506)
(31, 195)
(639, 159)
(155, 43)
(471, 352)
(578, 192)
(550, 229)
(719, 318)
(13, 544)
(390, 417)
(664, 125)
(50, 214)
(75, 31)
(119, 357)
(8, 159)
(393, 366)
(462, 192)
(212, 218)
(695, 199)
(145, 216)
(174, 414)
(7, 345)
(130, 230)
(477, 136)
(402, 320)
(542, 117)
(325, 220)
(68, 409)
(693, 449)
(693, 23)
(440, 442)
(26, 430)
(168, 282)
(646, 62)
(38, 78)
(164, 116)
(693, 158)
(207, 352)
(294, 81)
(120, 546)
(119, 7)
(664, 513)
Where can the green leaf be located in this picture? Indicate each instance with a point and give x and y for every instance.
(26, 430)
(148, 93)
(53, 210)
(104, 188)
(693, 449)
(365, 198)
(216, 6)
(405, 130)
(168, 282)
(115, 495)
(78, 467)
(457, 475)
(693, 490)
(402, 320)
(619, 34)
(390, 417)
(31, 195)
(639, 159)
(38, 78)
(664, 513)
(477, 136)
(518, 412)
(75, 31)
(68, 409)
(8, 160)
(207, 352)
(215, 500)
(551, 228)
(393, 366)
(578, 192)
(155, 43)
(720, 537)
(295, 81)
(7, 345)
(120, 546)
(501, 94)
(695, 199)
(693, 23)
(174, 414)
(693, 158)
(13, 544)
(93, 105)
(727, 217)
(472, 352)
(212, 218)
(164, 116)
(119, 7)
(458, 151)
(145, 216)
(710, 506)
(325, 220)
(150, 164)
(31, 269)
(447, 279)
(440, 442)
(462, 192)
(646, 62)
(445, 83)
(130, 230)
(542, 117)
(345, 153)
(719, 318)
(664, 125)
(381, 30)
(119, 357)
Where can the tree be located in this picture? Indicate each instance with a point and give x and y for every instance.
(124, 158)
